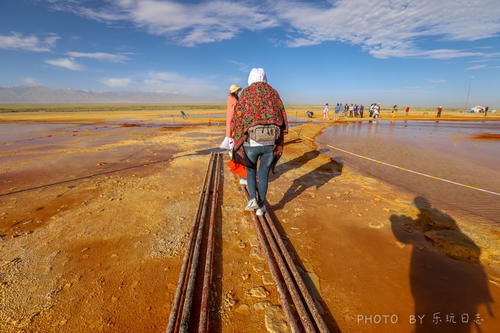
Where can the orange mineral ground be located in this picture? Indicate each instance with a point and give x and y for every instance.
(96, 209)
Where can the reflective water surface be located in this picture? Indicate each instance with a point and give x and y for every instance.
(442, 149)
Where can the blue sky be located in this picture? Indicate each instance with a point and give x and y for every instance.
(420, 53)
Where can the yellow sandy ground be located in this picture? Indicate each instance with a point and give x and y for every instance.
(103, 252)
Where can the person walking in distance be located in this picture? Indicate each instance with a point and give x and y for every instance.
(407, 110)
(326, 112)
(394, 110)
(259, 127)
(440, 109)
(376, 111)
(486, 111)
(361, 109)
(337, 110)
(228, 142)
(232, 100)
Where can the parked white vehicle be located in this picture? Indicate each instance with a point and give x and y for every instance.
(478, 109)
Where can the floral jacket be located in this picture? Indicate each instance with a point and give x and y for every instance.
(259, 104)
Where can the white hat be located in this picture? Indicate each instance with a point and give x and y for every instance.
(257, 75)
(234, 88)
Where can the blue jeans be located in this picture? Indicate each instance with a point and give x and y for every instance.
(266, 158)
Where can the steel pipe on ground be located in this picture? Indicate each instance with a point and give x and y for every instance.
(313, 309)
(292, 289)
(207, 278)
(290, 315)
(176, 305)
(188, 300)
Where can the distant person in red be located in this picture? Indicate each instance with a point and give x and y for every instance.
(440, 109)
(407, 110)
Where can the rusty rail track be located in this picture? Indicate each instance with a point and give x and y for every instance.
(191, 305)
(190, 312)
(301, 311)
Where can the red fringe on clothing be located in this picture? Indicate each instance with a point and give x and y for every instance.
(238, 169)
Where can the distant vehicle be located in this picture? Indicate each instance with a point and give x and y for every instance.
(477, 109)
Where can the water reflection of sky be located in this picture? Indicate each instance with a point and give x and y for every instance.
(446, 137)
(443, 149)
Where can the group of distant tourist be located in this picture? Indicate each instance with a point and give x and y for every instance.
(356, 111)
(395, 110)
(351, 111)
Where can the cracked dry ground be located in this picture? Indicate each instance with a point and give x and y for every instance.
(103, 253)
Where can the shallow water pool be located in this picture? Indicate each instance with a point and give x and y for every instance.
(443, 149)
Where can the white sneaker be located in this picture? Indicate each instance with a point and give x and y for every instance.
(261, 211)
(252, 205)
(243, 181)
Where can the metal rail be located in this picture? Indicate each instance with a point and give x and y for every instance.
(271, 241)
(207, 278)
(290, 314)
(311, 304)
(190, 310)
(180, 319)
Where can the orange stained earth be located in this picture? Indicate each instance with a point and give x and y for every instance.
(93, 232)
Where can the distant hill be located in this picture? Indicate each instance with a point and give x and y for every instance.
(37, 94)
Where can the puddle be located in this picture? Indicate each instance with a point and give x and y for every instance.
(444, 149)
(207, 115)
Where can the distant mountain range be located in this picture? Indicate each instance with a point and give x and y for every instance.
(37, 94)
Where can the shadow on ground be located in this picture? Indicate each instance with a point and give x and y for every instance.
(317, 177)
(203, 152)
(448, 292)
(296, 163)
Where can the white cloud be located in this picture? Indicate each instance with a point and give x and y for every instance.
(481, 60)
(100, 56)
(174, 83)
(199, 23)
(31, 82)
(386, 28)
(163, 76)
(101, 16)
(117, 82)
(437, 81)
(189, 24)
(476, 67)
(241, 66)
(75, 6)
(30, 43)
(383, 28)
(448, 54)
(235, 80)
(65, 63)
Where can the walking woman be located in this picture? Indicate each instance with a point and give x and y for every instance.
(232, 100)
(394, 110)
(228, 143)
(326, 111)
(259, 127)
